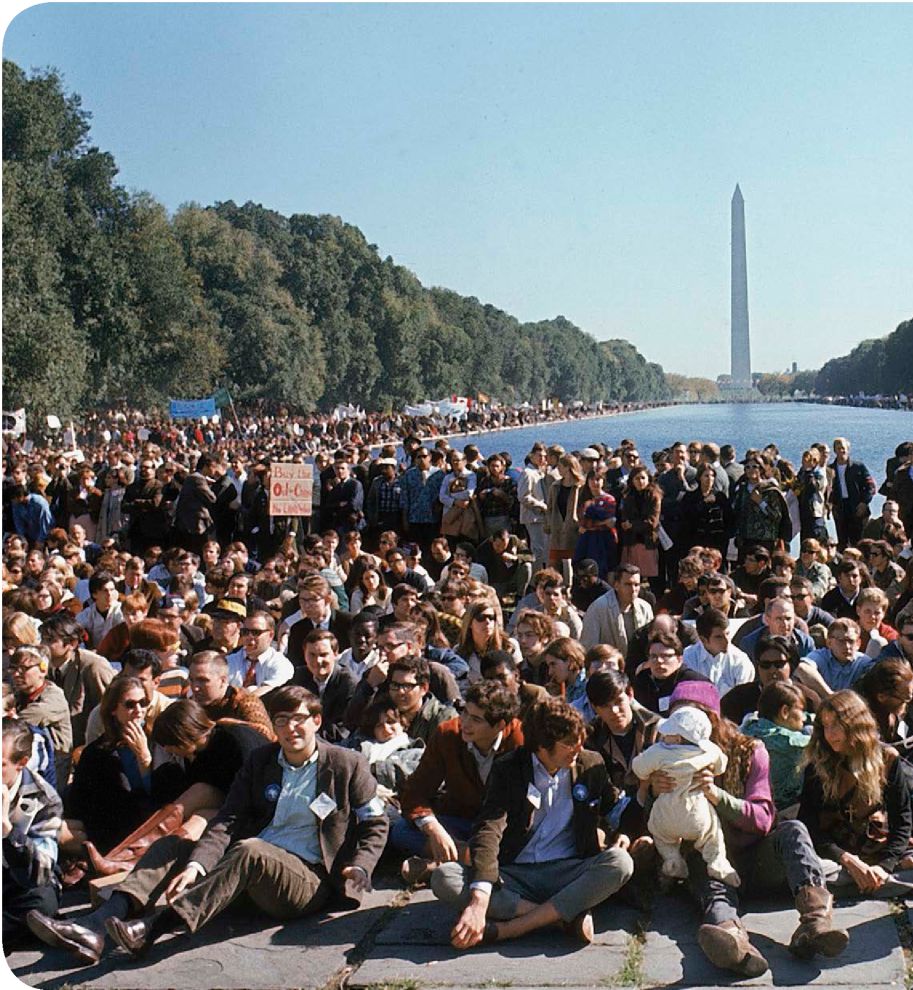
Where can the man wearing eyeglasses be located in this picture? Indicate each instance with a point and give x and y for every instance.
(315, 611)
(41, 702)
(258, 667)
(407, 684)
(839, 664)
(302, 826)
(616, 479)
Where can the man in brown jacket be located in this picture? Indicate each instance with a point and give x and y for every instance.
(538, 845)
(302, 823)
(436, 823)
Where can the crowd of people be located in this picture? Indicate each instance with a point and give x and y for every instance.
(592, 677)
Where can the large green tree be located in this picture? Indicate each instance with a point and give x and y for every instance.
(45, 351)
(106, 296)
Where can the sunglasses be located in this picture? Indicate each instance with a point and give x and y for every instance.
(135, 705)
(487, 617)
(772, 664)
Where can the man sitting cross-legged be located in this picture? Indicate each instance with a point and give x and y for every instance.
(301, 822)
(443, 796)
(541, 830)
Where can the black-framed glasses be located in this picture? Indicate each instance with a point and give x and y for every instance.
(134, 704)
(290, 721)
(251, 631)
(402, 686)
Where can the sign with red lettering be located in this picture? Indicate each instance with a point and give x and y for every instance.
(290, 489)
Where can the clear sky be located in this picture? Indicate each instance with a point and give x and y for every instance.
(548, 159)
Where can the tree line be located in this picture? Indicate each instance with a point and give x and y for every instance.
(107, 296)
(875, 367)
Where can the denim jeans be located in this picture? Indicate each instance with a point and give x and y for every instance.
(411, 841)
(785, 857)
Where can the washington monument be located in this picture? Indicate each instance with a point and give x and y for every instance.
(740, 346)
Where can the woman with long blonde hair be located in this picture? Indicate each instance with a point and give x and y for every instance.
(856, 796)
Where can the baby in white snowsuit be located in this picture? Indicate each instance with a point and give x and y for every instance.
(686, 813)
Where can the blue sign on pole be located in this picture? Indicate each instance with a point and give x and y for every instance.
(192, 408)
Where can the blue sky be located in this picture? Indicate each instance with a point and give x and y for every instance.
(548, 159)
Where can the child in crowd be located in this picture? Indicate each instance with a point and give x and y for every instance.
(390, 752)
(783, 725)
(683, 750)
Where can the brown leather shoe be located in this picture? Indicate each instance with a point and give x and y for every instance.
(581, 928)
(84, 943)
(130, 935)
(727, 946)
(816, 931)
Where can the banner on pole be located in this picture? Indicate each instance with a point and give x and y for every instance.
(291, 489)
(192, 408)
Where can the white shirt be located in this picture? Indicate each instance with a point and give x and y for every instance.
(273, 668)
(840, 470)
(725, 670)
(553, 834)
(358, 667)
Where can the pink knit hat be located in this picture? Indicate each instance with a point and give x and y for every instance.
(696, 693)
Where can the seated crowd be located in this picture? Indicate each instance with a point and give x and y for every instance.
(538, 689)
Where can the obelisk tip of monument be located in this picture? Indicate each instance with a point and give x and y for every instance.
(738, 192)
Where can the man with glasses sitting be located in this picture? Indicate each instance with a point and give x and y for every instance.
(839, 664)
(302, 824)
(803, 598)
(258, 667)
(403, 641)
(316, 611)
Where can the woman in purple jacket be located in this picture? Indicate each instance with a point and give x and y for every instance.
(764, 857)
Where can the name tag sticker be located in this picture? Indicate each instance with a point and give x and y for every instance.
(533, 795)
(663, 705)
(322, 805)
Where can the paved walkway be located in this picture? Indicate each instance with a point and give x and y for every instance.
(400, 941)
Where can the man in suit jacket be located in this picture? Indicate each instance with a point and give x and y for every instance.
(301, 823)
(323, 676)
(193, 520)
(540, 832)
(316, 612)
(81, 674)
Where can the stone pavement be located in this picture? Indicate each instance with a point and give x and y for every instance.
(400, 941)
